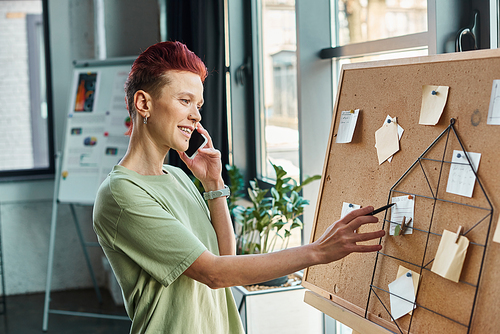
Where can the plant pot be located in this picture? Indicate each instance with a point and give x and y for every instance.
(275, 282)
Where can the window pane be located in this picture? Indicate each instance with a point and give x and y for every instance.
(368, 20)
(23, 121)
(279, 70)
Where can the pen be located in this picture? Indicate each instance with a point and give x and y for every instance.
(385, 207)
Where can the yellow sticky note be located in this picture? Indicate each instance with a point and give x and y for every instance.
(433, 102)
(450, 256)
(386, 141)
(496, 237)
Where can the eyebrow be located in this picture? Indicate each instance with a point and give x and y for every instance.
(190, 95)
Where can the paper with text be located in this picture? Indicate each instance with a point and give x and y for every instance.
(402, 296)
(450, 256)
(348, 207)
(404, 207)
(387, 141)
(433, 102)
(461, 180)
(348, 120)
(494, 111)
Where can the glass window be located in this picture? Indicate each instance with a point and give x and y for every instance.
(278, 127)
(368, 20)
(24, 119)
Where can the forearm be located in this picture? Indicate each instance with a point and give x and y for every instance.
(226, 271)
(221, 219)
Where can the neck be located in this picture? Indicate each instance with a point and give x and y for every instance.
(144, 157)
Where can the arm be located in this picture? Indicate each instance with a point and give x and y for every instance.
(338, 241)
(207, 167)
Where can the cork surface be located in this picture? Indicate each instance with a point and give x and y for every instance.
(352, 174)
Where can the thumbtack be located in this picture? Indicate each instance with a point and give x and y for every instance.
(410, 197)
(352, 111)
(434, 92)
(459, 233)
(408, 274)
(389, 120)
(350, 205)
(459, 155)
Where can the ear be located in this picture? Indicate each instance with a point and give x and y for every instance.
(143, 103)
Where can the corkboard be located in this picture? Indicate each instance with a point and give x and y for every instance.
(352, 174)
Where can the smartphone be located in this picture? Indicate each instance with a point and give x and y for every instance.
(196, 142)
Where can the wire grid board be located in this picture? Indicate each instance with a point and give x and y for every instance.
(359, 282)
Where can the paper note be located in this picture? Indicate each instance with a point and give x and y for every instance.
(415, 277)
(404, 207)
(348, 207)
(496, 237)
(450, 256)
(461, 180)
(433, 102)
(348, 120)
(400, 131)
(494, 111)
(402, 296)
(387, 141)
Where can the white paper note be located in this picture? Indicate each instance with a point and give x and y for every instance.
(348, 120)
(404, 207)
(461, 180)
(400, 131)
(348, 207)
(494, 111)
(402, 295)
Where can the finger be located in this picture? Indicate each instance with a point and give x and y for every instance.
(356, 213)
(367, 248)
(362, 220)
(360, 237)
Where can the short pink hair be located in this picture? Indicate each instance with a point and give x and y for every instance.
(149, 71)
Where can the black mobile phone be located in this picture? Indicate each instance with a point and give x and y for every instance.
(196, 141)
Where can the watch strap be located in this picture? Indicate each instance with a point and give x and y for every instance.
(217, 193)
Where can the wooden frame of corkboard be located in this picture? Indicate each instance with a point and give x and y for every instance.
(351, 173)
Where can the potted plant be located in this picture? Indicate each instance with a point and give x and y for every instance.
(263, 226)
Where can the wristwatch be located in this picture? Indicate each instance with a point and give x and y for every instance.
(217, 193)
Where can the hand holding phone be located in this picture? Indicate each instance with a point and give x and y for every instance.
(196, 142)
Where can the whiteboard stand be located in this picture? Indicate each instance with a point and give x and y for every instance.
(84, 244)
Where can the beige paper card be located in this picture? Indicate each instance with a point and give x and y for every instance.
(496, 237)
(450, 256)
(433, 102)
(415, 277)
(386, 141)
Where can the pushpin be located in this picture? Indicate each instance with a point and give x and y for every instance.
(408, 274)
(410, 197)
(64, 174)
(459, 233)
(459, 155)
(434, 92)
(350, 205)
(389, 120)
(352, 111)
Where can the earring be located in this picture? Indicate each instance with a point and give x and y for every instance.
(145, 121)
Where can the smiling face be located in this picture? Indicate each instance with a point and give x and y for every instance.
(175, 114)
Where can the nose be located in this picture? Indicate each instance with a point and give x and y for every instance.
(195, 115)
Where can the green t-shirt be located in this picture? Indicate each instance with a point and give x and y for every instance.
(152, 228)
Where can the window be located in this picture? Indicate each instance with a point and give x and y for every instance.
(25, 119)
(277, 121)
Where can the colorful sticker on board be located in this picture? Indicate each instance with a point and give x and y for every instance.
(111, 151)
(85, 92)
(90, 141)
(76, 131)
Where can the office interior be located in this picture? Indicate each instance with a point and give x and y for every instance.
(269, 97)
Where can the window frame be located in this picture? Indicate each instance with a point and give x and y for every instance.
(46, 172)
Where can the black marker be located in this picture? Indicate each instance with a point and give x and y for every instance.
(385, 207)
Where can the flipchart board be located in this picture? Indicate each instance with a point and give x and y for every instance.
(97, 120)
(355, 290)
